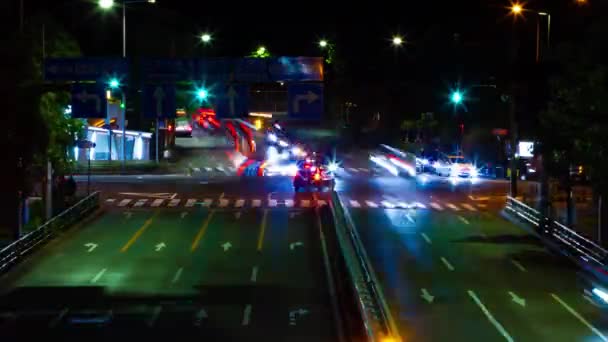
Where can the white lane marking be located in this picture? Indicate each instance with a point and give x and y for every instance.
(387, 204)
(177, 275)
(420, 205)
(207, 202)
(363, 169)
(124, 202)
(157, 202)
(254, 274)
(155, 313)
(371, 204)
(355, 204)
(246, 315)
(426, 238)
(110, 200)
(305, 203)
(480, 205)
(436, 206)
(58, 318)
(256, 203)
(579, 317)
(489, 316)
(174, 202)
(140, 202)
(272, 203)
(190, 202)
(447, 264)
(352, 169)
(518, 265)
(239, 203)
(196, 169)
(404, 205)
(464, 220)
(223, 203)
(468, 207)
(321, 203)
(409, 218)
(98, 276)
(289, 203)
(220, 168)
(452, 206)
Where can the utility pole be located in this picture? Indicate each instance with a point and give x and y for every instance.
(513, 157)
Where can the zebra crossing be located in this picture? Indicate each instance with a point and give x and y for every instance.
(241, 203)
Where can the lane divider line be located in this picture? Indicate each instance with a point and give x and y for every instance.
(262, 230)
(155, 313)
(464, 220)
(254, 274)
(246, 315)
(468, 207)
(518, 265)
(579, 317)
(98, 276)
(452, 206)
(426, 238)
(447, 264)
(138, 233)
(177, 275)
(490, 317)
(202, 231)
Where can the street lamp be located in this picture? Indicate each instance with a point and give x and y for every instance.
(206, 38)
(323, 43)
(517, 9)
(397, 41)
(106, 4)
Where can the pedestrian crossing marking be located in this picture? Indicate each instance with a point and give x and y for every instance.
(256, 203)
(140, 202)
(289, 203)
(174, 202)
(451, 206)
(352, 169)
(468, 207)
(110, 200)
(371, 204)
(190, 202)
(239, 203)
(305, 203)
(387, 204)
(207, 202)
(124, 202)
(436, 206)
(363, 170)
(208, 169)
(355, 204)
(321, 203)
(481, 205)
(223, 203)
(157, 202)
(272, 203)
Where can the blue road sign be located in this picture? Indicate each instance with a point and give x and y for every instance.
(231, 100)
(159, 101)
(89, 100)
(84, 69)
(305, 101)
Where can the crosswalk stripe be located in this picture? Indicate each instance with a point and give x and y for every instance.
(371, 204)
(174, 202)
(220, 168)
(289, 203)
(468, 207)
(140, 202)
(387, 204)
(256, 203)
(420, 205)
(355, 204)
(208, 169)
(272, 203)
(207, 202)
(404, 205)
(481, 205)
(157, 202)
(352, 169)
(190, 202)
(110, 200)
(239, 203)
(436, 206)
(451, 206)
(321, 203)
(363, 169)
(305, 203)
(124, 202)
(223, 203)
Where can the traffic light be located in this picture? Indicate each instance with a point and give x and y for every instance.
(456, 97)
(202, 94)
(114, 83)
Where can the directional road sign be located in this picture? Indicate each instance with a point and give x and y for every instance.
(231, 100)
(84, 69)
(159, 101)
(88, 100)
(305, 101)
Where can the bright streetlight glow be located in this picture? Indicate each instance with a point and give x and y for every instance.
(261, 50)
(397, 41)
(106, 4)
(323, 43)
(516, 9)
(206, 37)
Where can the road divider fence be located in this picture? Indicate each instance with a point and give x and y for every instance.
(371, 305)
(566, 241)
(16, 251)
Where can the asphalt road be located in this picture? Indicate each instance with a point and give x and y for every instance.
(246, 273)
(456, 270)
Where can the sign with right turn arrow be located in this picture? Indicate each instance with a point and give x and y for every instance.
(305, 101)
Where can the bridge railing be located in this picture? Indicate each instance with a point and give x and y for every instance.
(573, 245)
(14, 252)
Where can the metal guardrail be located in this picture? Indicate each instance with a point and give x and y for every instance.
(14, 252)
(372, 305)
(572, 244)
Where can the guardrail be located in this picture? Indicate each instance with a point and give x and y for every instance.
(570, 243)
(14, 252)
(372, 305)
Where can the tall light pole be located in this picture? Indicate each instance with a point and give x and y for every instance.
(517, 9)
(108, 4)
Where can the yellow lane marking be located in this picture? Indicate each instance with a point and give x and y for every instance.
(262, 230)
(138, 233)
(202, 231)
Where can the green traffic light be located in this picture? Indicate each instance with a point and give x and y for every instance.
(202, 94)
(114, 83)
(456, 97)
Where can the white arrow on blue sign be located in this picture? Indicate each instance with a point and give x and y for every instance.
(305, 100)
(88, 101)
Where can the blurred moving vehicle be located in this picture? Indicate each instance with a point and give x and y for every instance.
(183, 127)
(461, 167)
(395, 161)
(313, 174)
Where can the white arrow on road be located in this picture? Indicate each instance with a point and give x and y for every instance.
(128, 214)
(199, 316)
(517, 299)
(160, 246)
(226, 246)
(293, 245)
(84, 97)
(91, 246)
(184, 213)
(310, 97)
(232, 95)
(427, 296)
(159, 95)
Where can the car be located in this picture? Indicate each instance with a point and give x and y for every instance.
(313, 174)
(461, 167)
(183, 127)
(396, 162)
